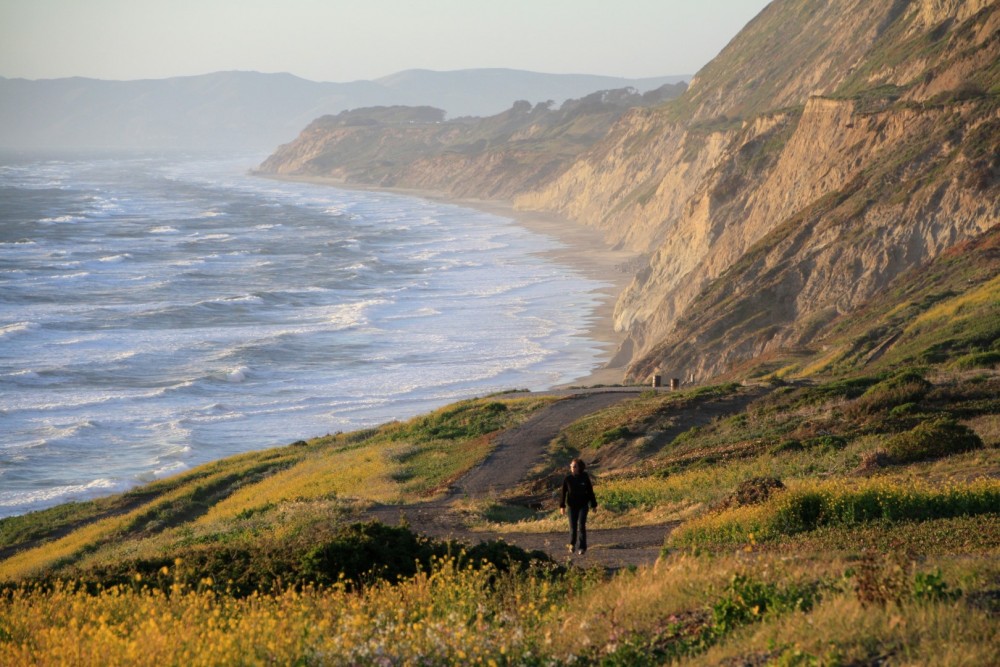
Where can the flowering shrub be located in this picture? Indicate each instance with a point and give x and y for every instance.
(352, 555)
(932, 439)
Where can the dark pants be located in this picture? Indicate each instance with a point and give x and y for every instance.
(578, 526)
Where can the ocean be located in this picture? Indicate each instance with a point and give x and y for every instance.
(158, 312)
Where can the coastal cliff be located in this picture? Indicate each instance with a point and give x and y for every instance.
(495, 157)
(827, 150)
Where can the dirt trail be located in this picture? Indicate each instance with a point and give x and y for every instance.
(517, 451)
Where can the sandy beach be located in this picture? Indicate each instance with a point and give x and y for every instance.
(583, 249)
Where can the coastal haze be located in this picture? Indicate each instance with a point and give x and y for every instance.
(110, 74)
(252, 111)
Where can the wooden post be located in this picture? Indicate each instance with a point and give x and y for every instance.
(657, 380)
(675, 384)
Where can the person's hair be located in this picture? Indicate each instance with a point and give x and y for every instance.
(580, 464)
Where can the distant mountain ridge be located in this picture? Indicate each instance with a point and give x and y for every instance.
(486, 92)
(251, 110)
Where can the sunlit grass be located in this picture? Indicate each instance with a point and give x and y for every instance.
(821, 364)
(172, 505)
(690, 609)
(31, 561)
(808, 505)
(357, 471)
(987, 294)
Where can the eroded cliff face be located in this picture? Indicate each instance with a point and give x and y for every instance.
(830, 147)
(908, 195)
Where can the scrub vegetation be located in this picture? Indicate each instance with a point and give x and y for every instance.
(828, 506)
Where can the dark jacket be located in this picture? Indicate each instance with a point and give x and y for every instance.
(577, 491)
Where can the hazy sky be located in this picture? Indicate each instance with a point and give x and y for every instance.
(345, 40)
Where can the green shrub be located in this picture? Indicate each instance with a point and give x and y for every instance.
(978, 360)
(904, 410)
(465, 420)
(366, 548)
(746, 600)
(807, 509)
(846, 388)
(801, 512)
(373, 550)
(931, 586)
(900, 389)
(930, 440)
(791, 445)
(692, 433)
(611, 435)
(503, 556)
(826, 442)
(355, 554)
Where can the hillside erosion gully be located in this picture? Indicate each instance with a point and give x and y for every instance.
(516, 452)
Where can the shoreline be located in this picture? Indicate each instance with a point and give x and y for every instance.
(583, 249)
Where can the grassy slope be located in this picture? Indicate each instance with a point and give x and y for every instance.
(283, 490)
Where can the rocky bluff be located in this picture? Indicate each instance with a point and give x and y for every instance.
(491, 158)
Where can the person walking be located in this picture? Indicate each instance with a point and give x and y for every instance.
(578, 494)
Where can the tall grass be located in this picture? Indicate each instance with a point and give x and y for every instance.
(984, 295)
